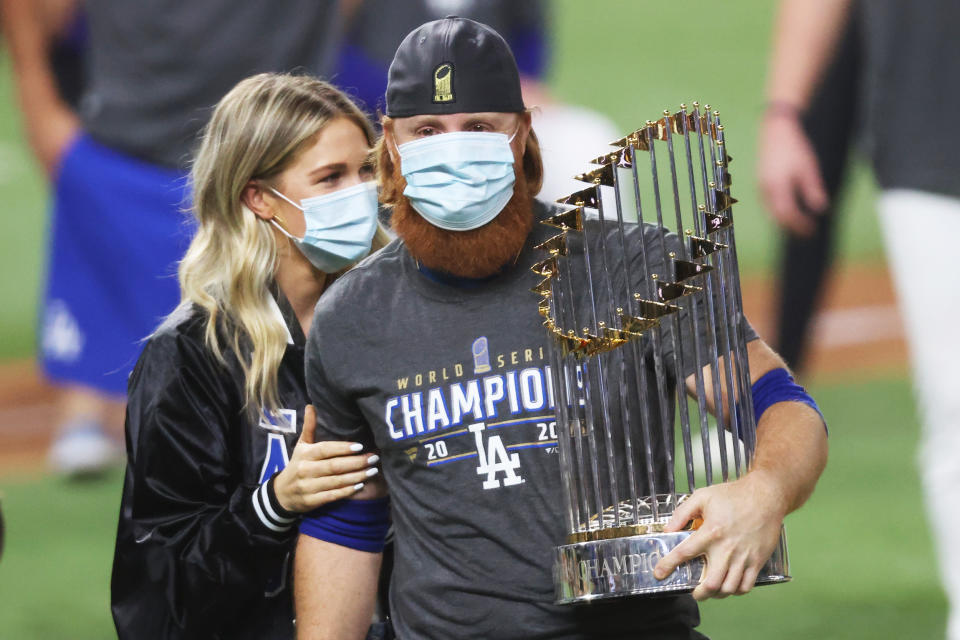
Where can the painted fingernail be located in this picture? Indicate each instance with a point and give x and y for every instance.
(358, 486)
(372, 471)
(356, 446)
(374, 459)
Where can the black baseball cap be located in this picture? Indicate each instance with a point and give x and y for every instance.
(453, 65)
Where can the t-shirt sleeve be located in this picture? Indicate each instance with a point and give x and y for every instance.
(701, 316)
(338, 416)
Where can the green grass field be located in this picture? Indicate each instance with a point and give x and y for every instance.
(860, 557)
(860, 552)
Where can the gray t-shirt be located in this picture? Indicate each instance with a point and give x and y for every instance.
(452, 386)
(156, 68)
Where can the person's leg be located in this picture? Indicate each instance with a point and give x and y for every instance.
(89, 433)
(921, 258)
(805, 262)
(117, 232)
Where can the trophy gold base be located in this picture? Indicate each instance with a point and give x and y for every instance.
(619, 567)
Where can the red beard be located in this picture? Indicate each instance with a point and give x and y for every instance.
(477, 253)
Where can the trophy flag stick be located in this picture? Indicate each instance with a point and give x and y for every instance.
(745, 381)
(708, 317)
(677, 351)
(726, 415)
(600, 328)
(611, 313)
(587, 423)
(712, 286)
(634, 142)
(618, 160)
(692, 318)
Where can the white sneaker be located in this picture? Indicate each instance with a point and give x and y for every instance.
(83, 449)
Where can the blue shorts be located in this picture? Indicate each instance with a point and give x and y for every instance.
(118, 229)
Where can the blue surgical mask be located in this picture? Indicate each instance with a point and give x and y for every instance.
(340, 226)
(458, 181)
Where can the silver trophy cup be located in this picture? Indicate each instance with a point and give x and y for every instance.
(634, 310)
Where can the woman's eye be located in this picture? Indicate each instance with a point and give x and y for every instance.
(479, 126)
(367, 170)
(426, 131)
(329, 178)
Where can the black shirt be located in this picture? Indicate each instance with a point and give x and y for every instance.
(912, 61)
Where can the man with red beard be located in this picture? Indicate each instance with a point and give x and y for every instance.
(432, 352)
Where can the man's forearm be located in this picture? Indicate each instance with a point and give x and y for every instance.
(791, 440)
(791, 448)
(50, 123)
(805, 35)
(28, 43)
(791, 451)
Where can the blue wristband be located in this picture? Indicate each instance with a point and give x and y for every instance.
(357, 524)
(779, 386)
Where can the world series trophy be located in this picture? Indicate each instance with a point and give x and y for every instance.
(633, 311)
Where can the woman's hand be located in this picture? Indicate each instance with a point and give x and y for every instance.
(322, 472)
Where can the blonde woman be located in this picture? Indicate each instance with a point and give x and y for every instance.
(219, 465)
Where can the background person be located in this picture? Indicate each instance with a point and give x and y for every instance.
(218, 468)
(909, 59)
(801, 184)
(118, 167)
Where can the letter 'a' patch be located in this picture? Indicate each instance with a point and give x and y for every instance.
(443, 83)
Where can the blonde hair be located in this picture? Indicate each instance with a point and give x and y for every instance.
(256, 132)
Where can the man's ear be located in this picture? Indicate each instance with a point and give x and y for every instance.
(523, 132)
(388, 140)
(259, 199)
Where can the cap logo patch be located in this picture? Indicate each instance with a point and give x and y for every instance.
(443, 83)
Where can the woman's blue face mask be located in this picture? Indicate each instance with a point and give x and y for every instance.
(340, 226)
(458, 181)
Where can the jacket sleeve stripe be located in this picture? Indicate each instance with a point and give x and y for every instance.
(256, 497)
(265, 501)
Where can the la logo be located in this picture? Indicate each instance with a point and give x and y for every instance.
(494, 459)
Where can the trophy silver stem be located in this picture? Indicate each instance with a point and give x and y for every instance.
(712, 284)
(625, 425)
(682, 406)
(693, 318)
(588, 423)
(598, 327)
(560, 395)
(640, 377)
(572, 403)
(657, 351)
(745, 379)
(601, 329)
(727, 334)
(739, 412)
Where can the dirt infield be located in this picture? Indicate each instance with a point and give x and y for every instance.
(857, 335)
